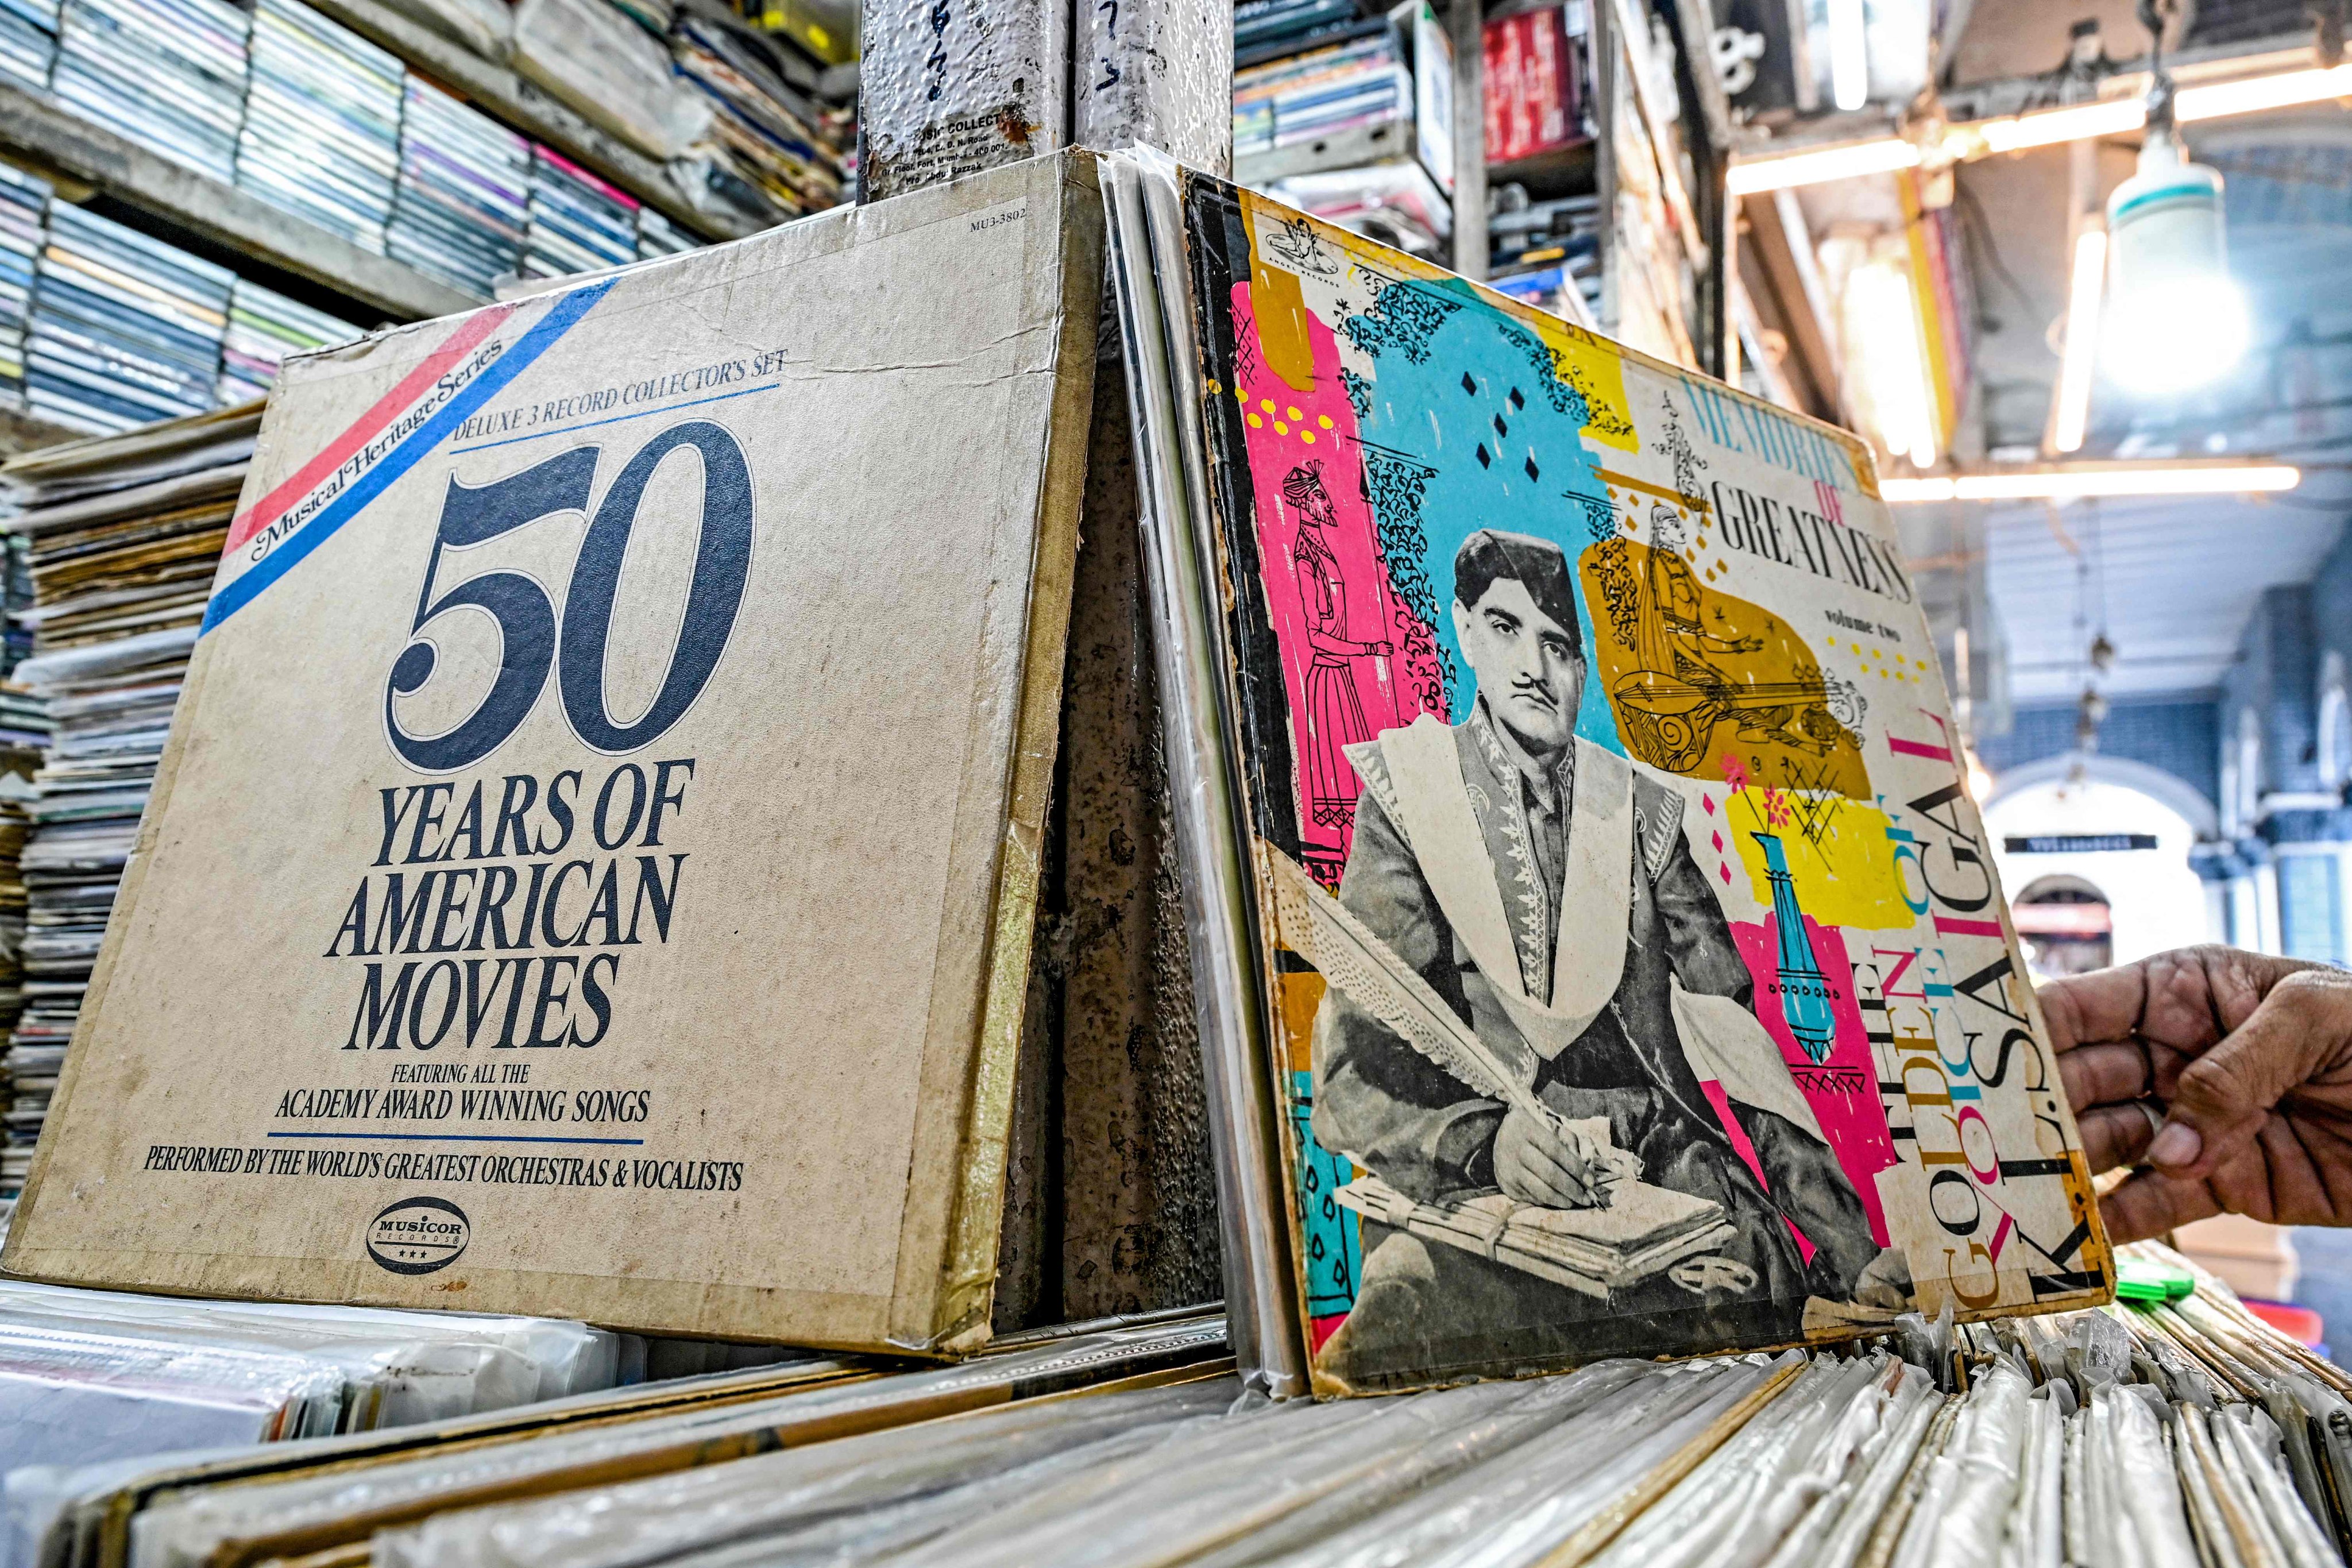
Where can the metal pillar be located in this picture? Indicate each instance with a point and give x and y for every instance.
(1112, 1200)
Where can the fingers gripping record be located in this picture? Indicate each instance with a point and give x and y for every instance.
(2230, 1074)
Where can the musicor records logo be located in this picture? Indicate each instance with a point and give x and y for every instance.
(417, 1235)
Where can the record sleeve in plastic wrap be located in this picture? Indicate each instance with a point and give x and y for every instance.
(593, 868)
(1628, 960)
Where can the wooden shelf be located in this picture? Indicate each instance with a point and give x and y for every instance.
(530, 109)
(48, 136)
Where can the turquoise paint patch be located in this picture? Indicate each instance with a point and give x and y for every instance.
(1330, 1236)
(1453, 376)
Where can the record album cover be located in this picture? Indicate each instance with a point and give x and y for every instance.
(1633, 974)
(592, 870)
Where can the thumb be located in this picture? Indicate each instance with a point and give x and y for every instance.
(2225, 1095)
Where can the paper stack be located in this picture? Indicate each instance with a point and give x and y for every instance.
(125, 328)
(578, 223)
(170, 76)
(782, 142)
(125, 534)
(322, 122)
(264, 327)
(464, 192)
(28, 41)
(24, 226)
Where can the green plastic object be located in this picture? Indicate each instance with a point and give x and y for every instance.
(2138, 1281)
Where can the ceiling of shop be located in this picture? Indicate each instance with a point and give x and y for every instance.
(2180, 578)
(2172, 584)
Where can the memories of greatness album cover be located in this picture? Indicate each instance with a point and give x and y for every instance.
(1636, 974)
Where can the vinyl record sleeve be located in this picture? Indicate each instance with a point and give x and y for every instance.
(1598, 774)
(735, 586)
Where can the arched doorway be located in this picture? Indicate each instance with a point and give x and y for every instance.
(2115, 837)
(2066, 924)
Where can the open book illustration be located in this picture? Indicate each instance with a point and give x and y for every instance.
(1599, 953)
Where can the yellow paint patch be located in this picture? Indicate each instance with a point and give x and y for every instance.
(1300, 995)
(1282, 340)
(1846, 877)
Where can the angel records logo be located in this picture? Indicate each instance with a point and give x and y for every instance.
(417, 1235)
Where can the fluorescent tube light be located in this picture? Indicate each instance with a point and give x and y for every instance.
(2073, 481)
(2042, 128)
(2216, 100)
(2079, 366)
(2049, 127)
(1843, 163)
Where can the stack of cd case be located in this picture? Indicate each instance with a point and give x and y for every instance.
(264, 327)
(168, 74)
(321, 123)
(24, 219)
(464, 194)
(125, 328)
(28, 41)
(657, 235)
(578, 223)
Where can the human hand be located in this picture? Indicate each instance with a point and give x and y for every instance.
(2247, 1059)
(1380, 650)
(1541, 1161)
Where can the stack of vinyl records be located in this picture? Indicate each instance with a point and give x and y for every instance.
(2177, 1434)
(169, 76)
(1354, 80)
(464, 192)
(781, 142)
(657, 235)
(28, 41)
(322, 122)
(999, 1414)
(578, 223)
(125, 328)
(125, 534)
(24, 228)
(24, 732)
(264, 327)
(88, 1375)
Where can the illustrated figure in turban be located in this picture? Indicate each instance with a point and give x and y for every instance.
(1543, 887)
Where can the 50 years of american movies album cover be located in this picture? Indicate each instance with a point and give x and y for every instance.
(593, 867)
(1637, 973)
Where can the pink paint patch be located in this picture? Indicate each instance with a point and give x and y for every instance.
(1746, 1153)
(1718, 843)
(1328, 591)
(1321, 1329)
(1725, 873)
(1844, 1091)
(1706, 803)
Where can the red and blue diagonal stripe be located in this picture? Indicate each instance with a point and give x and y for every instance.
(561, 318)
